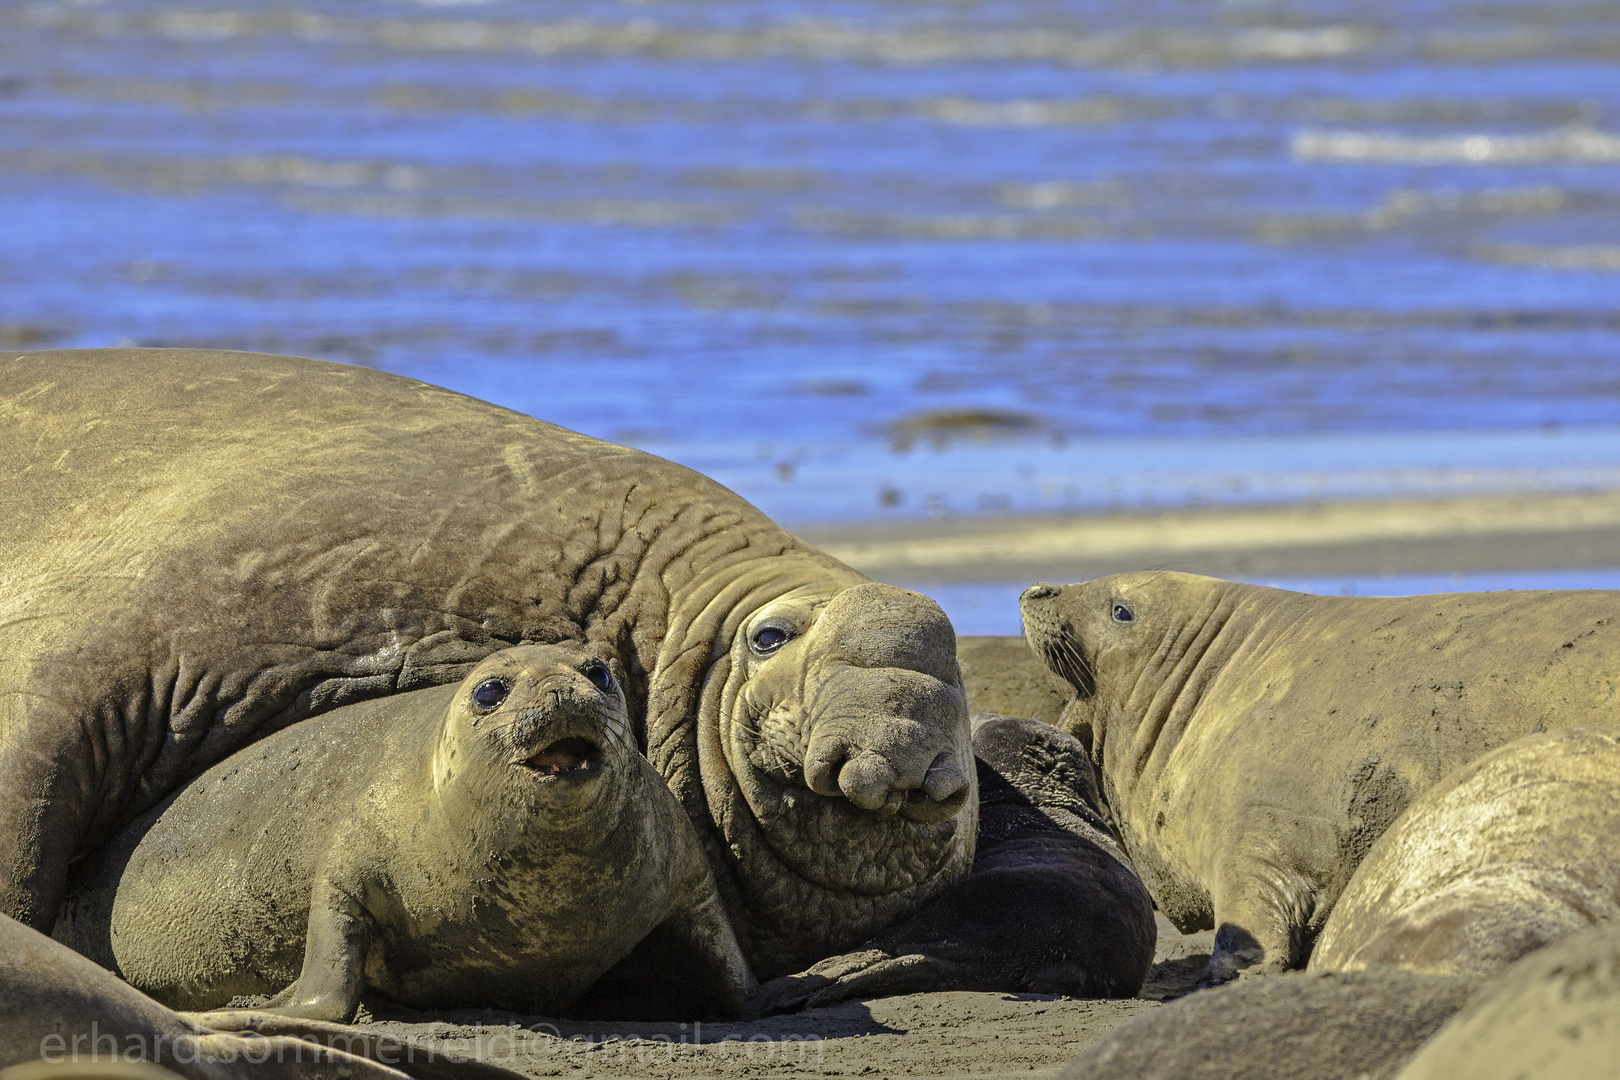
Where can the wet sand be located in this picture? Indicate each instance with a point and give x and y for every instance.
(919, 1035)
(1460, 534)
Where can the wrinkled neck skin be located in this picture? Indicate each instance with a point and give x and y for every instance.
(804, 875)
(1143, 703)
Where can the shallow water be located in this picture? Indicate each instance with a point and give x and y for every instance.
(868, 258)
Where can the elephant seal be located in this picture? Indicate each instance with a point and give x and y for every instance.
(1553, 1015)
(497, 843)
(1255, 742)
(1500, 858)
(1325, 1026)
(1050, 907)
(198, 548)
(57, 1006)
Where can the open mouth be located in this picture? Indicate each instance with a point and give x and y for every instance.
(570, 756)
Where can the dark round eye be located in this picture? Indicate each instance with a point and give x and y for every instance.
(1122, 612)
(490, 693)
(767, 639)
(600, 676)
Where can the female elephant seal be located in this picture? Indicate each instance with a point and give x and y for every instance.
(1500, 858)
(198, 548)
(498, 843)
(1254, 742)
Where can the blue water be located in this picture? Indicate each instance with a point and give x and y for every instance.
(868, 258)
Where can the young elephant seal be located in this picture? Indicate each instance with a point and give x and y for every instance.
(1051, 906)
(1254, 742)
(497, 843)
(198, 548)
(1500, 858)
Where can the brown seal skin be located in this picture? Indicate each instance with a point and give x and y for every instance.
(1502, 857)
(49, 992)
(1354, 1025)
(498, 843)
(1551, 1016)
(200, 548)
(1254, 743)
(1050, 907)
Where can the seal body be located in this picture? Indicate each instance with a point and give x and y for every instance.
(1254, 743)
(1325, 1026)
(1051, 906)
(500, 842)
(1550, 1016)
(58, 1005)
(1502, 857)
(199, 548)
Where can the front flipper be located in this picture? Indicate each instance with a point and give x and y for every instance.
(328, 987)
(1262, 921)
(870, 973)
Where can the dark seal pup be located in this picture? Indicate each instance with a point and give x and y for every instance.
(1502, 857)
(497, 843)
(198, 548)
(1254, 742)
(1051, 906)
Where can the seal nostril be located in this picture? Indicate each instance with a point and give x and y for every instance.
(1041, 590)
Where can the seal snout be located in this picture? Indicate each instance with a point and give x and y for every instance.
(1041, 590)
(571, 755)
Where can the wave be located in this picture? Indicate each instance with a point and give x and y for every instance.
(1581, 143)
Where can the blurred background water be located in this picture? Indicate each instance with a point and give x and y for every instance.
(869, 259)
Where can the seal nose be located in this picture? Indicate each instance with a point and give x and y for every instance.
(1041, 590)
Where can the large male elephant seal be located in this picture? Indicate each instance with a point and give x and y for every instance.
(198, 548)
(1051, 906)
(497, 843)
(1500, 858)
(1255, 742)
(1554, 1015)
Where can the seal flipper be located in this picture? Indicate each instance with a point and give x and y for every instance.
(1263, 912)
(328, 987)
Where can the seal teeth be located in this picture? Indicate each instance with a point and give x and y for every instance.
(570, 755)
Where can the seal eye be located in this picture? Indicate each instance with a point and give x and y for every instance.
(767, 639)
(489, 694)
(1122, 612)
(600, 676)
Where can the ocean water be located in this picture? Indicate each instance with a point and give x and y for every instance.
(868, 258)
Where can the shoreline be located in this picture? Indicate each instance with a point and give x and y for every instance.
(1454, 534)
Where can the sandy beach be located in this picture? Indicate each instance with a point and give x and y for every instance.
(1461, 534)
(918, 1035)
